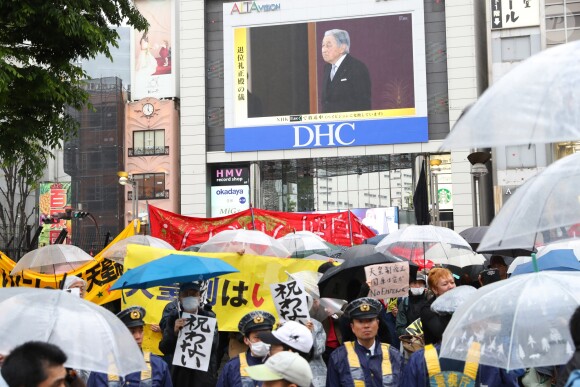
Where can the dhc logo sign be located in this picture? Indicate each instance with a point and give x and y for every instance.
(324, 135)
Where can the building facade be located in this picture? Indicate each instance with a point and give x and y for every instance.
(448, 70)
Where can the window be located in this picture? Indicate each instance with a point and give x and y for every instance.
(149, 142)
(151, 185)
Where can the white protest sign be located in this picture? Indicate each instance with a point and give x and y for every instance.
(388, 280)
(194, 342)
(290, 301)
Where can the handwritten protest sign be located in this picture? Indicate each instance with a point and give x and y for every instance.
(290, 301)
(194, 342)
(388, 280)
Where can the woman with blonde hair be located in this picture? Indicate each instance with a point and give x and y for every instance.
(440, 280)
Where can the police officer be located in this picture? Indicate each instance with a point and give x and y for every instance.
(251, 325)
(157, 373)
(365, 361)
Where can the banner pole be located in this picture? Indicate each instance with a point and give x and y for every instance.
(252, 212)
(350, 227)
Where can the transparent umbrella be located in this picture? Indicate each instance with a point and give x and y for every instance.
(546, 208)
(520, 322)
(427, 243)
(245, 242)
(309, 280)
(93, 338)
(301, 243)
(538, 112)
(118, 251)
(52, 259)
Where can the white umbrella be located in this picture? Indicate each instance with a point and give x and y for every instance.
(462, 260)
(544, 209)
(566, 244)
(520, 322)
(245, 242)
(93, 338)
(518, 111)
(52, 259)
(118, 251)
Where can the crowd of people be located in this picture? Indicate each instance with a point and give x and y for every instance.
(367, 344)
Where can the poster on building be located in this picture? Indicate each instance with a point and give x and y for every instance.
(193, 349)
(290, 301)
(288, 96)
(54, 199)
(444, 191)
(382, 220)
(153, 52)
(230, 189)
(388, 280)
(514, 13)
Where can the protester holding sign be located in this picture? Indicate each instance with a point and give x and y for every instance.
(234, 373)
(411, 306)
(365, 361)
(157, 374)
(189, 304)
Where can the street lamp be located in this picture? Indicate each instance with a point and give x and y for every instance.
(124, 179)
(478, 170)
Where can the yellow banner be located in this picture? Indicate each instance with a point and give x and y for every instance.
(231, 296)
(100, 274)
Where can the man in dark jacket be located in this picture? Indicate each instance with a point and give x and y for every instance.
(346, 83)
(189, 302)
(411, 306)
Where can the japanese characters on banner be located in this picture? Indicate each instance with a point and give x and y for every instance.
(290, 301)
(231, 296)
(194, 343)
(100, 275)
(388, 280)
(183, 231)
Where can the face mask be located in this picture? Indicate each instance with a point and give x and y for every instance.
(417, 291)
(260, 349)
(190, 304)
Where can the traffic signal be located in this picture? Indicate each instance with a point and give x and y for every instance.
(80, 214)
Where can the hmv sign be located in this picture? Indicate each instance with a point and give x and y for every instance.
(230, 189)
(230, 175)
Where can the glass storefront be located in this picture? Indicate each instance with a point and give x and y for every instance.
(331, 184)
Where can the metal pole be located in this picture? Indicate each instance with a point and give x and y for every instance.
(474, 201)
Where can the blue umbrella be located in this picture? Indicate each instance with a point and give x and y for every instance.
(173, 268)
(560, 260)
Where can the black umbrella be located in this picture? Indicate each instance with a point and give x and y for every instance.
(374, 240)
(358, 251)
(194, 248)
(474, 235)
(344, 281)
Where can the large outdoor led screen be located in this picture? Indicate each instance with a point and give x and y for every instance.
(279, 91)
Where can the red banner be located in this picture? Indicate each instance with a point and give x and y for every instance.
(182, 231)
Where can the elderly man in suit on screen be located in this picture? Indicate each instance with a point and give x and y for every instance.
(346, 82)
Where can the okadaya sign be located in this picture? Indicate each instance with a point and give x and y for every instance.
(324, 135)
(227, 200)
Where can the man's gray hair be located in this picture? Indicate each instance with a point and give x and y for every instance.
(341, 37)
